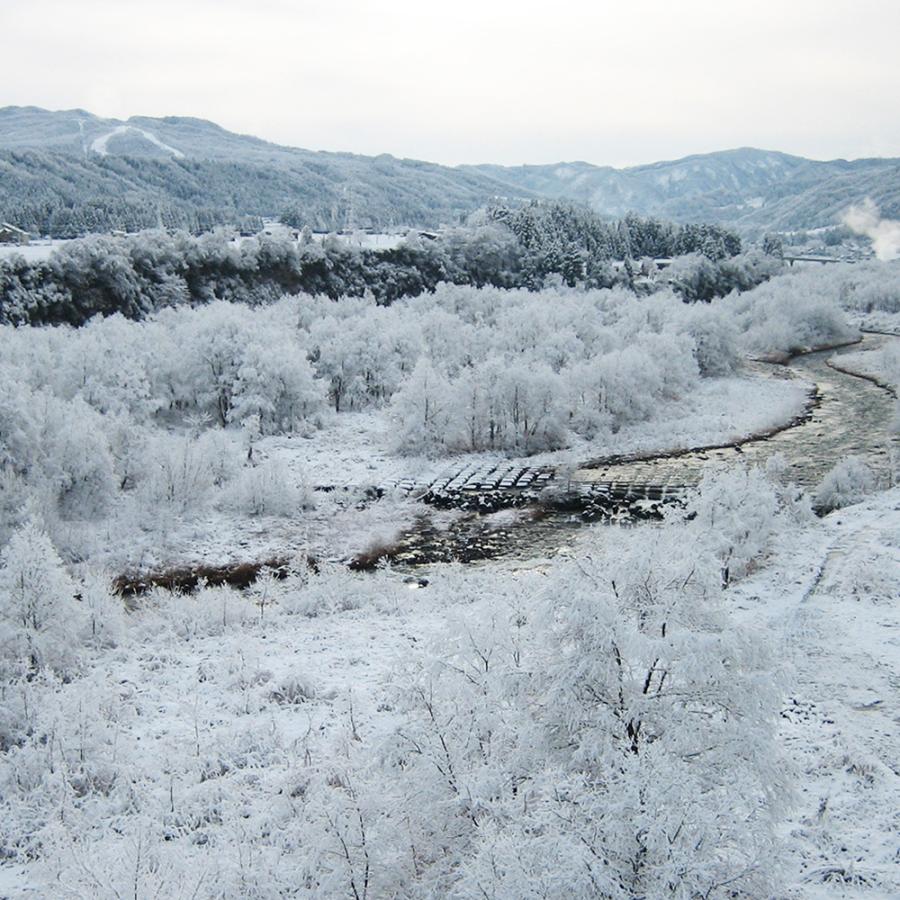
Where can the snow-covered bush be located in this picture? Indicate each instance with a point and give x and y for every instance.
(615, 740)
(735, 511)
(798, 310)
(210, 611)
(715, 338)
(103, 612)
(667, 709)
(14, 496)
(77, 466)
(294, 689)
(177, 473)
(871, 288)
(849, 481)
(267, 489)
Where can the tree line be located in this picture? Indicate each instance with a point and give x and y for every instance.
(530, 247)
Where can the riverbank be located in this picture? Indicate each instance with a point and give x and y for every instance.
(851, 417)
(335, 469)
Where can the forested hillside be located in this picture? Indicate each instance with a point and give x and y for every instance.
(67, 196)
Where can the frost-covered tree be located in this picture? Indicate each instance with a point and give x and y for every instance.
(736, 509)
(421, 410)
(38, 609)
(614, 740)
(275, 383)
(665, 710)
(77, 466)
(213, 353)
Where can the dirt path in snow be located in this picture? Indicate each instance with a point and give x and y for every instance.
(839, 726)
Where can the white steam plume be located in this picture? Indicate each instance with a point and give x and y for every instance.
(865, 218)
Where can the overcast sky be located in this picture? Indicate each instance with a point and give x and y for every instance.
(472, 81)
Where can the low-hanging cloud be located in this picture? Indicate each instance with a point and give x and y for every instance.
(865, 218)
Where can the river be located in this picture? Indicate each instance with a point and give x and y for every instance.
(851, 416)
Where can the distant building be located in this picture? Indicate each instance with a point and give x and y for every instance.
(9, 234)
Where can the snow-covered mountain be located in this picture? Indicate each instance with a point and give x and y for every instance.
(193, 173)
(73, 157)
(749, 188)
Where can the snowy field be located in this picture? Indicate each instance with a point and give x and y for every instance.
(35, 251)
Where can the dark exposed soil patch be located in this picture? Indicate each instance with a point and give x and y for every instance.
(186, 579)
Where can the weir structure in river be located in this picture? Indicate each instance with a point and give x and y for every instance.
(848, 415)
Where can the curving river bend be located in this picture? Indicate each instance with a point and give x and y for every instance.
(851, 416)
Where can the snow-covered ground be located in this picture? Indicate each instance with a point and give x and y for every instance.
(178, 753)
(882, 364)
(829, 597)
(99, 145)
(34, 251)
(877, 320)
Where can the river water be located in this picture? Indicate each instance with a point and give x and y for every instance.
(851, 417)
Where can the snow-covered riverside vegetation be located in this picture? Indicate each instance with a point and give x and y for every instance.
(126, 435)
(668, 710)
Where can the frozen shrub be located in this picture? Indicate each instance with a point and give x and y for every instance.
(872, 287)
(715, 338)
(210, 611)
(734, 512)
(294, 689)
(176, 474)
(798, 310)
(73, 459)
(103, 613)
(794, 503)
(221, 452)
(848, 482)
(606, 738)
(13, 499)
(14, 713)
(266, 490)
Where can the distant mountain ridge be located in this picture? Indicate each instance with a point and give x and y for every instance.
(54, 163)
(746, 188)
